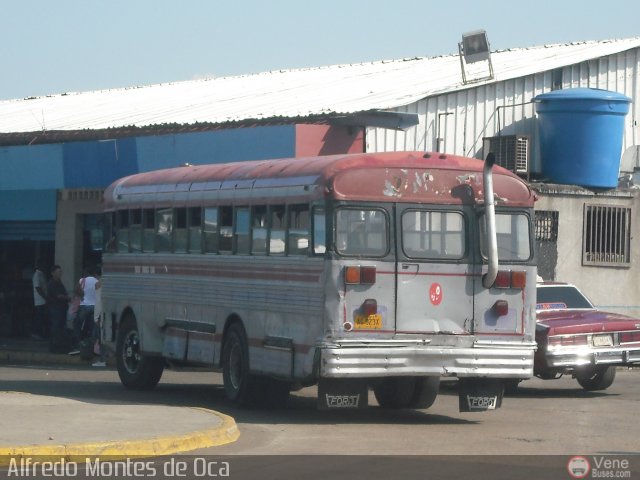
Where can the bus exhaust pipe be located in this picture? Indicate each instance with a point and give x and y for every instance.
(490, 218)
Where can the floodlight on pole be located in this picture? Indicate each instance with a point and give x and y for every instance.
(475, 48)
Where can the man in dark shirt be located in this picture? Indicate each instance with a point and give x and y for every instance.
(58, 300)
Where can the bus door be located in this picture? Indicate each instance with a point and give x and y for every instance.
(434, 275)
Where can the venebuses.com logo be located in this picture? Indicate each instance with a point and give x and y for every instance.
(599, 467)
(578, 467)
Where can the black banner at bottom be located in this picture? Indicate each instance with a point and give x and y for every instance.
(325, 467)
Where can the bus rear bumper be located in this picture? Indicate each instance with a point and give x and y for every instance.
(482, 359)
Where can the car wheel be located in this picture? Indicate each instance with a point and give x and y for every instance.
(136, 371)
(597, 378)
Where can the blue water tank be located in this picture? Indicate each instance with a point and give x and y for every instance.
(581, 133)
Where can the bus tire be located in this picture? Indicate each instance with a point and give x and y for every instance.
(596, 378)
(425, 392)
(239, 384)
(136, 372)
(395, 392)
(511, 386)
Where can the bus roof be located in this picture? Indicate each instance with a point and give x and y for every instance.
(413, 177)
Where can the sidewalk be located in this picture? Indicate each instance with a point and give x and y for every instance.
(26, 351)
(53, 428)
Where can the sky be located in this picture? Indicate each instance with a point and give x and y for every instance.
(59, 46)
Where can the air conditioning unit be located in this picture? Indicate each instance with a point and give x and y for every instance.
(511, 152)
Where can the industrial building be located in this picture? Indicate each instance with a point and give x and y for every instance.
(58, 153)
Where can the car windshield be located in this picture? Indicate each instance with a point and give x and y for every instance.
(559, 297)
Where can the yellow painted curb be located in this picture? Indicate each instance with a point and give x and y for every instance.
(118, 450)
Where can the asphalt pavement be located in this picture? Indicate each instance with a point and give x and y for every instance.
(53, 427)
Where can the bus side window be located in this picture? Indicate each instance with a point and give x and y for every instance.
(242, 230)
(259, 231)
(180, 234)
(123, 231)
(298, 230)
(148, 230)
(110, 232)
(319, 231)
(194, 221)
(164, 229)
(277, 232)
(135, 234)
(225, 240)
(211, 230)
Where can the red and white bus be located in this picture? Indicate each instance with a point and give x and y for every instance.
(374, 270)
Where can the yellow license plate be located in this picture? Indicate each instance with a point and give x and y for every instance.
(372, 322)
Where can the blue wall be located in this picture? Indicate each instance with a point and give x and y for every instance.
(30, 175)
(219, 146)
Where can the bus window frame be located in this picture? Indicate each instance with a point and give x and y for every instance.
(120, 228)
(429, 208)
(180, 231)
(290, 208)
(237, 210)
(317, 210)
(226, 210)
(160, 248)
(191, 230)
(361, 207)
(253, 228)
(149, 230)
(503, 211)
(215, 250)
(284, 229)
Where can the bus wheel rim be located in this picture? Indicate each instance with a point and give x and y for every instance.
(235, 365)
(131, 352)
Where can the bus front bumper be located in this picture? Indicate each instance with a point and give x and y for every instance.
(389, 359)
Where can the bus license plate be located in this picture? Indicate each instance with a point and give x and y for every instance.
(602, 341)
(371, 322)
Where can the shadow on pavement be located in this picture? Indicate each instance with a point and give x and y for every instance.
(105, 388)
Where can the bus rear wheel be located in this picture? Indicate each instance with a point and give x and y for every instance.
(406, 392)
(239, 384)
(136, 371)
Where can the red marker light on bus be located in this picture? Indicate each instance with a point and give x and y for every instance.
(503, 279)
(508, 279)
(352, 275)
(518, 279)
(369, 307)
(368, 275)
(356, 275)
(501, 308)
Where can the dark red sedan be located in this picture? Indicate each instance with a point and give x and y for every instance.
(575, 338)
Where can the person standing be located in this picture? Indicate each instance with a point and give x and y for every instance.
(97, 330)
(58, 301)
(39, 326)
(83, 324)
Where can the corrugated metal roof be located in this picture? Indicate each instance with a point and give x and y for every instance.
(337, 89)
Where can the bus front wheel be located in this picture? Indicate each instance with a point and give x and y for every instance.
(136, 371)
